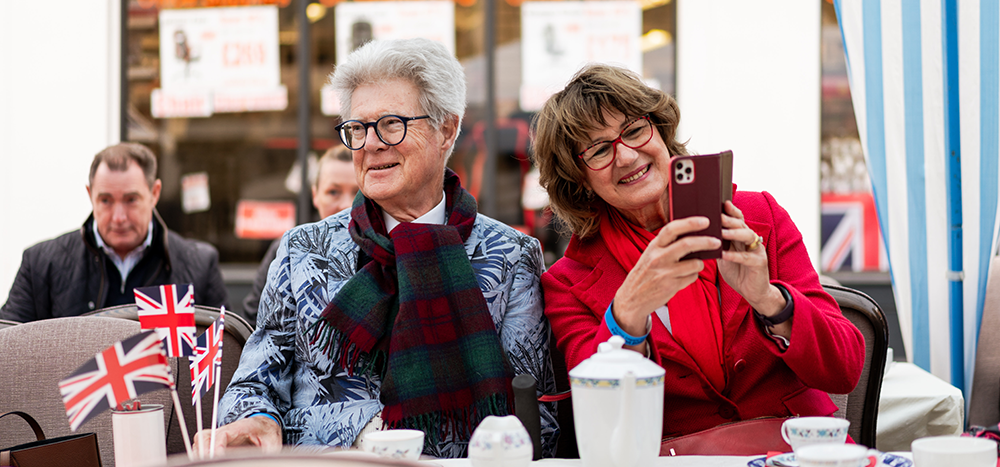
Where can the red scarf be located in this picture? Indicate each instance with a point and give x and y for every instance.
(695, 315)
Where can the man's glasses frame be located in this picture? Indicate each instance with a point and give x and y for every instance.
(614, 144)
(344, 139)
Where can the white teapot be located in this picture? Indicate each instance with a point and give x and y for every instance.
(500, 442)
(617, 407)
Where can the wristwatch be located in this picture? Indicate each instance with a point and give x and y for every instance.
(784, 315)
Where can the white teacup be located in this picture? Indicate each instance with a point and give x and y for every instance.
(395, 444)
(803, 431)
(834, 455)
(954, 451)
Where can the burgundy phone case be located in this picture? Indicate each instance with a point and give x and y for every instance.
(699, 194)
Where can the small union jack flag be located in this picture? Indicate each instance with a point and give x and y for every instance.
(207, 357)
(169, 309)
(121, 372)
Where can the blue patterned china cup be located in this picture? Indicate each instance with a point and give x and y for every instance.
(394, 444)
(804, 431)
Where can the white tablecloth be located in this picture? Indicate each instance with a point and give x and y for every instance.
(677, 461)
(915, 404)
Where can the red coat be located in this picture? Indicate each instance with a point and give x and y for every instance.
(825, 355)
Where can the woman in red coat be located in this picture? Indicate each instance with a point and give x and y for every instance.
(750, 335)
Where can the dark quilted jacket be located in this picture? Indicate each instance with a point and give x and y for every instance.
(66, 276)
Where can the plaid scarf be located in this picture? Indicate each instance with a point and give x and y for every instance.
(416, 312)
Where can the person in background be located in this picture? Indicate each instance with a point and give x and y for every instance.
(124, 244)
(750, 335)
(409, 311)
(333, 190)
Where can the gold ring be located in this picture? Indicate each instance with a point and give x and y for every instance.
(756, 243)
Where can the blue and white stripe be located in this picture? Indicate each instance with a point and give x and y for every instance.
(896, 53)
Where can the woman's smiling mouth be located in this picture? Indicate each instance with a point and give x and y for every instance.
(635, 176)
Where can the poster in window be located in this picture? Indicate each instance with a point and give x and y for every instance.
(558, 38)
(226, 58)
(360, 22)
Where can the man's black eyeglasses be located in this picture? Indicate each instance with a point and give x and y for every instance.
(390, 129)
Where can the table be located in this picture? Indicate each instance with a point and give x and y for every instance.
(915, 404)
(677, 461)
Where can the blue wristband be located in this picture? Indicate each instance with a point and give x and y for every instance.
(609, 319)
(262, 414)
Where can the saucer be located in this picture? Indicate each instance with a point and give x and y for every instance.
(788, 460)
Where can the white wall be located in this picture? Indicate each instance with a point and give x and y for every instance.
(58, 107)
(748, 79)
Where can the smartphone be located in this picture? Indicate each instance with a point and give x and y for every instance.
(726, 164)
(697, 189)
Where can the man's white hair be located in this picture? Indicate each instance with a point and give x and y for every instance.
(425, 63)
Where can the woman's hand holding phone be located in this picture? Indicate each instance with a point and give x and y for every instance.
(661, 272)
(746, 271)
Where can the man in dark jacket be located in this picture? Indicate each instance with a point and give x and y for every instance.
(124, 244)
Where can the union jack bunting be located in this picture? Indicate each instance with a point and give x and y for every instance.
(169, 309)
(121, 372)
(207, 357)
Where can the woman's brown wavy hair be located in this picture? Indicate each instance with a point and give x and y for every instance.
(560, 131)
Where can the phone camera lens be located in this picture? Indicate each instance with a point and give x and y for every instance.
(687, 170)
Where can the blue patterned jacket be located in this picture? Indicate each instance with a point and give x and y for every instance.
(318, 403)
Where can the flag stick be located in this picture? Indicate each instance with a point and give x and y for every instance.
(215, 409)
(197, 411)
(180, 420)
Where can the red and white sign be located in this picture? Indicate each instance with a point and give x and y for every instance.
(183, 103)
(264, 220)
(250, 100)
(229, 54)
(195, 196)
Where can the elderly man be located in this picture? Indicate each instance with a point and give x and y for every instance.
(124, 244)
(411, 310)
(333, 190)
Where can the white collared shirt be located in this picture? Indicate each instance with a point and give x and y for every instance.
(126, 264)
(434, 216)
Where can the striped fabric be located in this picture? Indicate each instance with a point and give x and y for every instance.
(898, 62)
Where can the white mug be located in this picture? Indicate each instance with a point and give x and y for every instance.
(138, 436)
(803, 431)
(954, 451)
(834, 455)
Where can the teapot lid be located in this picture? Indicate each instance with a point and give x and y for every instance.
(612, 361)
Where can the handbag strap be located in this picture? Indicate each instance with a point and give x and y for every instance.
(5, 460)
(39, 435)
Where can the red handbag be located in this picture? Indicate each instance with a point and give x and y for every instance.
(744, 438)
